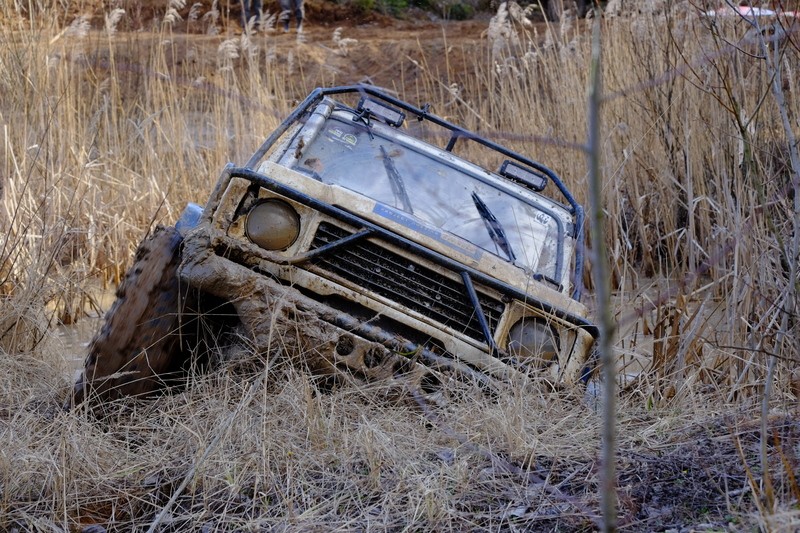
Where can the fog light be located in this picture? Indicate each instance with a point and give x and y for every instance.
(532, 341)
(273, 224)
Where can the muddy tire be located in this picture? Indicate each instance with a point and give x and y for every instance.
(139, 348)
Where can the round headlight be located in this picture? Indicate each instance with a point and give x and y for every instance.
(532, 341)
(273, 224)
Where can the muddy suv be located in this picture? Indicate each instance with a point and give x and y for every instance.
(360, 244)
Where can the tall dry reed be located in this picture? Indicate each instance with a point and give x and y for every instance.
(105, 133)
(700, 187)
(698, 179)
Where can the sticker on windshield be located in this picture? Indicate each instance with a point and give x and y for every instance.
(542, 218)
(338, 135)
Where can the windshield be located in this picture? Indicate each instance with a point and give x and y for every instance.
(411, 186)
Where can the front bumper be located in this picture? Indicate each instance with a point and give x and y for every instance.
(280, 318)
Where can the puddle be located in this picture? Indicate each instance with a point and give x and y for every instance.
(73, 341)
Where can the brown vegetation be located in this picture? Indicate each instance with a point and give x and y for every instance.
(106, 133)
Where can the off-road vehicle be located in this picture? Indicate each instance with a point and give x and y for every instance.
(370, 240)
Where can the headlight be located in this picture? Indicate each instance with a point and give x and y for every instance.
(273, 224)
(532, 341)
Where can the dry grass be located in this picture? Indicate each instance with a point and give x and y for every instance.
(106, 134)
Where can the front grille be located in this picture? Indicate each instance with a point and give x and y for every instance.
(403, 280)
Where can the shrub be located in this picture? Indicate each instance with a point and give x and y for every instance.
(461, 12)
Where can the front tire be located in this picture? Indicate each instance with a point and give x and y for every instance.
(139, 348)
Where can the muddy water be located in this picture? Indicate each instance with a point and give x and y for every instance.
(73, 341)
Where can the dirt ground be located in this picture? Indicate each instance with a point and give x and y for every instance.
(340, 44)
(385, 53)
(326, 13)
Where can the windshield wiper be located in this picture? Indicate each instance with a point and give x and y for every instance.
(494, 227)
(396, 180)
